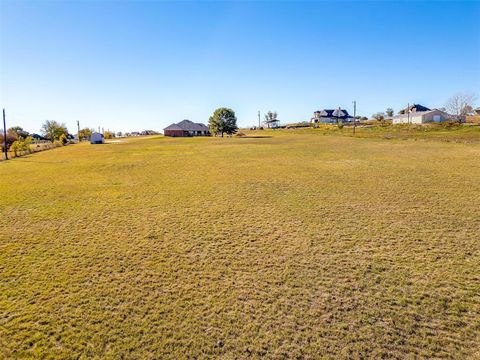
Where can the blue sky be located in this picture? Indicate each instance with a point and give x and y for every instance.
(143, 65)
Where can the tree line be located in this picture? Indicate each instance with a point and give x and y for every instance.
(19, 140)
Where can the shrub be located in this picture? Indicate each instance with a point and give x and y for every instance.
(450, 123)
(21, 145)
(63, 139)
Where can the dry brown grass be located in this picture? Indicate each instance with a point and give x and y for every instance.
(295, 246)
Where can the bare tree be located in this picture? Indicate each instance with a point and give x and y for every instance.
(460, 105)
(380, 116)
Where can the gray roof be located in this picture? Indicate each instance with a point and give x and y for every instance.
(173, 127)
(187, 125)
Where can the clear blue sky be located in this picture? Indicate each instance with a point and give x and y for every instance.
(143, 65)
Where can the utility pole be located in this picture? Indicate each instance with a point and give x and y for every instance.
(258, 119)
(354, 114)
(78, 130)
(408, 112)
(5, 136)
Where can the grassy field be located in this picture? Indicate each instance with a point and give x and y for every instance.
(292, 246)
(465, 133)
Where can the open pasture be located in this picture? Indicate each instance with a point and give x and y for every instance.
(294, 246)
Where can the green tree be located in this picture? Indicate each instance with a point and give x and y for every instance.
(19, 131)
(53, 130)
(223, 121)
(389, 112)
(20, 145)
(84, 134)
(63, 139)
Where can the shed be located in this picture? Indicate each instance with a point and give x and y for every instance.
(97, 138)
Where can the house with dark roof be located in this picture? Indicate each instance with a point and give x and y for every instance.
(186, 128)
(331, 116)
(38, 137)
(421, 117)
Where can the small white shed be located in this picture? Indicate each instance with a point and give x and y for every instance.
(421, 117)
(97, 138)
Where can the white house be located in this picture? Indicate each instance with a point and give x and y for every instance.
(421, 117)
(97, 138)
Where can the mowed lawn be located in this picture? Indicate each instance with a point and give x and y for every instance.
(291, 246)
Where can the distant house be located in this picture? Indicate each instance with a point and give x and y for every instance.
(331, 116)
(38, 137)
(272, 123)
(186, 128)
(148, 132)
(421, 117)
(477, 111)
(97, 138)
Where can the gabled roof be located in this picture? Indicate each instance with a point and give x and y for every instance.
(417, 107)
(332, 113)
(173, 127)
(39, 137)
(191, 126)
(187, 125)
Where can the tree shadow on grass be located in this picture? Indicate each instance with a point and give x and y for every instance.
(255, 137)
(32, 159)
(22, 159)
